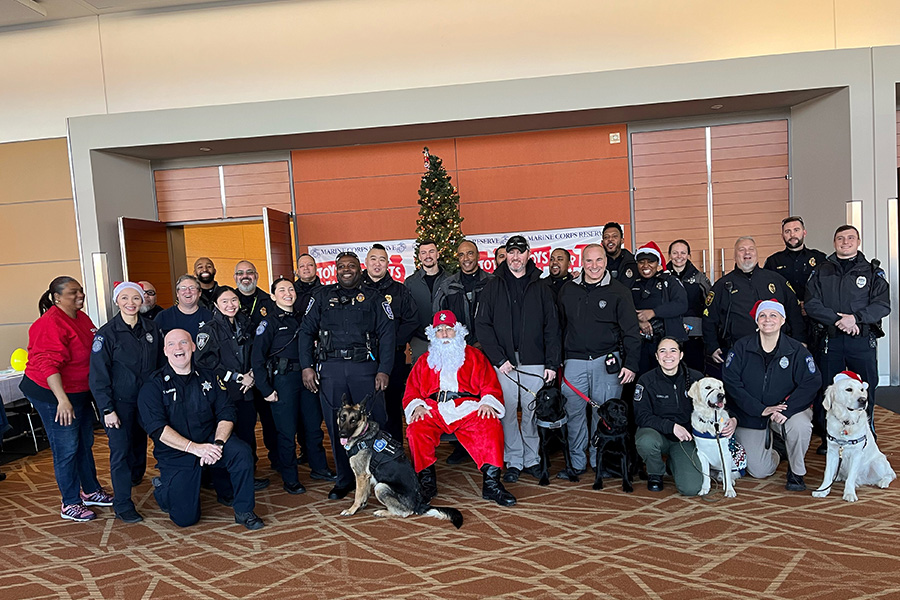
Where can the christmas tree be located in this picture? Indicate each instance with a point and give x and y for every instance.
(439, 218)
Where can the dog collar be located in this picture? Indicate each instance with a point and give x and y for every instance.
(859, 440)
(348, 444)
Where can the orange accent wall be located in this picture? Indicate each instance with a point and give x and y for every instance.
(511, 182)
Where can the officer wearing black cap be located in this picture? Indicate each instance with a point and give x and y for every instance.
(406, 321)
(796, 262)
(350, 326)
(728, 304)
(848, 296)
(188, 415)
(620, 263)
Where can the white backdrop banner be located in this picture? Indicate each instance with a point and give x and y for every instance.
(401, 261)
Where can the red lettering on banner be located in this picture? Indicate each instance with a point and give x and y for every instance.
(396, 268)
(576, 258)
(326, 272)
(541, 256)
(486, 261)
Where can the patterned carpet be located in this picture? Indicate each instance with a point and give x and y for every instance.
(561, 541)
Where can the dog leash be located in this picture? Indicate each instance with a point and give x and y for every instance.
(578, 392)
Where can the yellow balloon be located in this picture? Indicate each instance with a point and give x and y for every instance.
(19, 359)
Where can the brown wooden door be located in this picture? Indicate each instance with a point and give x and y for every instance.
(145, 255)
(279, 256)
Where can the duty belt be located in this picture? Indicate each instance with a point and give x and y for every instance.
(447, 396)
(359, 354)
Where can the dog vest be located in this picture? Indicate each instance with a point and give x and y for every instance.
(384, 449)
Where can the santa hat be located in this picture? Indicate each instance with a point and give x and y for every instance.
(772, 304)
(653, 250)
(121, 286)
(847, 375)
(444, 317)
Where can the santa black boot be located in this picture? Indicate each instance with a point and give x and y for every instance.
(428, 483)
(492, 488)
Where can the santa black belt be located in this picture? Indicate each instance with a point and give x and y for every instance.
(447, 396)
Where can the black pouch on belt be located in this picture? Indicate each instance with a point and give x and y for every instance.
(612, 364)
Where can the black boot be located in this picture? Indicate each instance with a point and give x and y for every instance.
(428, 483)
(492, 488)
(459, 454)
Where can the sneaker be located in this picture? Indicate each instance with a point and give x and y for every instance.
(98, 498)
(249, 520)
(511, 475)
(77, 512)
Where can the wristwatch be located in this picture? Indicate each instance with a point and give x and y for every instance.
(108, 411)
(219, 443)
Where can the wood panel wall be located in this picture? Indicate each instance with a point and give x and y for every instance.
(147, 256)
(188, 194)
(278, 239)
(514, 182)
(250, 187)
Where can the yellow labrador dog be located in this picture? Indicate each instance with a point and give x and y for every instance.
(708, 397)
(851, 444)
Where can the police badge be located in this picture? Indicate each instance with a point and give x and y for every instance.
(860, 282)
(202, 338)
(149, 337)
(628, 273)
(360, 297)
(262, 311)
(812, 261)
(771, 288)
(388, 298)
(602, 304)
(784, 362)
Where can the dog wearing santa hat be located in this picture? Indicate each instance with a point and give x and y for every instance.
(453, 389)
(853, 456)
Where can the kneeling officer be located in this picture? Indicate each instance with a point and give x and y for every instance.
(187, 413)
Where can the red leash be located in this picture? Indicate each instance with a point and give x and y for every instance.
(577, 391)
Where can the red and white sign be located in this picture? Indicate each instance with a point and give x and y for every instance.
(401, 253)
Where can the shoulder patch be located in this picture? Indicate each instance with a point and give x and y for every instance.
(729, 358)
(811, 364)
(387, 310)
(309, 306)
(202, 339)
(379, 445)
(880, 273)
(710, 297)
(97, 346)
(262, 327)
(638, 392)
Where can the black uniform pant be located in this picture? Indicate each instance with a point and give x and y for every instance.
(852, 353)
(270, 435)
(357, 380)
(127, 455)
(286, 414)
(393, 396)
(245, 422)
(309, 429)
(179, 492)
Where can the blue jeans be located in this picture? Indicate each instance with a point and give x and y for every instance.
(73, 459)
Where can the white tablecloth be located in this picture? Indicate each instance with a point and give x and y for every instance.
(9, 386)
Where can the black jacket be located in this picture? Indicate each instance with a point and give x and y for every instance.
(256, 306)
(665, 295)
(539, 340)
(796, 266)
(555, 283)
(304, 292)
(451, 295)
(792, 377)
(225, 349)
(862, 291)
(623, 268)
(354, 318)
(728, 305)
(424, 297)
(660, 405)
(122, 358)
(598, 321)
(406, 313)
(696, 284)
(192, 407)
(275, 338)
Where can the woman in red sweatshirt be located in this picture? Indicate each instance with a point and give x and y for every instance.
(56, 384)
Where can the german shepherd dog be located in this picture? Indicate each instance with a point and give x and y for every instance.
(377, 460)
(612, 438)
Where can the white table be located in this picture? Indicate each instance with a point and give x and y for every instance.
(9, 386)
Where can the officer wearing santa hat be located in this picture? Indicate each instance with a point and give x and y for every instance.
(771, 380)
(453, 389)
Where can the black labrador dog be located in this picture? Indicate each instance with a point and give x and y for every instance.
(615, 448)
(550, 416)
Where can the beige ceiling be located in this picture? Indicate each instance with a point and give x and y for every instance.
(14, 13)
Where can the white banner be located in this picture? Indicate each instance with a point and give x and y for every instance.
(401, 253)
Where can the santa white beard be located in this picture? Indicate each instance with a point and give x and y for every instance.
(447, 355)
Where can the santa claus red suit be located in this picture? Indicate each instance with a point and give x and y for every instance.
(459, 391)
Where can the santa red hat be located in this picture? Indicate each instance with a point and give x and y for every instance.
(847, 375)
(444, 317)
(772, 304)
(653, 250)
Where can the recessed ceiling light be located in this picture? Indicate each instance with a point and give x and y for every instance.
(205, 149)
(714, 107)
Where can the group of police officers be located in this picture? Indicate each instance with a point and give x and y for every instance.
(288, 357)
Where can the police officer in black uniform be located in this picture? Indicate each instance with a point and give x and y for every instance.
(560, 260)
(223, 346)
(256, 304)
(847, 297)
(277, 370)
(697, 286)
(353, 325)
(728, 304)
(187, 412)
(620, 262)
(125, 352)
(796, 262)
(307, 279)
(406, 321)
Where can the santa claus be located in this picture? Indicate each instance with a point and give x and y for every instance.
(453, 389)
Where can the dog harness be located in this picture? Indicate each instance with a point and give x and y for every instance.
(384, 449)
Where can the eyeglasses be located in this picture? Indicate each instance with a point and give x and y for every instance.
(185, 288)
(149, 293)
(346, 253)
(239, 273)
